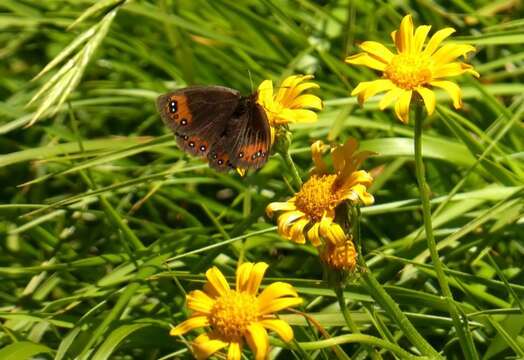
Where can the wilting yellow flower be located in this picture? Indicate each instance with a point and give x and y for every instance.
(341, 256)
(311, 212)
(239, 315)
(414, 69)
(289, 105)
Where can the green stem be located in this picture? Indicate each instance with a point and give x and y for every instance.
(339, 291)
(352, 338)
(466, 343)
(291, 166)
(384, 300)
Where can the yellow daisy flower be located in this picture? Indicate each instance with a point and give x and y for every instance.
(239, 315)
(289, 104)
(415, 69)
(310, 213)
(341, 256)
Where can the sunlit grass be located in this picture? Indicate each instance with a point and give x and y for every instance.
(105, 224)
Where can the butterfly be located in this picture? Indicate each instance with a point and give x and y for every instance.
(218, 124)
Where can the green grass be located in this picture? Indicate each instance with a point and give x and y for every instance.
(105, 224)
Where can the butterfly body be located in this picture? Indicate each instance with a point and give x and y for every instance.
(219, 124)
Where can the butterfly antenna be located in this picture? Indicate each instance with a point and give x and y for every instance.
(250, 80)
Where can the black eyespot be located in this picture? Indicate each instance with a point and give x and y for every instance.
(241, 155)
(259, 153)
(173, 106)
(214, 156)
(263, 154)
(254, 156)
(183, 122)
(191, 144)
(185, 137)
(202, 148)
(220, 162)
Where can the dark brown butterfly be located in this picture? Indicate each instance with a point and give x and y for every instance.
(215, 122)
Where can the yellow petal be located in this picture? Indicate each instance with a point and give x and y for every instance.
(375, 87)
(281, 327)
(342, 153)
(452, 89)
(286, 220)
(257, 339)
(217, 282)
(366, 60)
(361, 192)
(204, 346)
(279, 206)
(265, 93)
(377, 50)
(313, 235)
(274, 291)
(255, 278)
(297, 231)
(307, 101)
(389, 97)
(296, 116)
(242, 276)
(279, 304)
(361, 87)
(306, 86)
(429, 98)
(189, 324)
(234, 352)
(402, 106)
(453, 69)
(420, 37)
(331, 231)
(404, 36)
(316, 154)
(436, 39)
(450, 52)
(199, 301)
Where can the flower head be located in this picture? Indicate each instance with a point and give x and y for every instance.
(289, 104)
(341, 256)
(238, 316)
(414, 69)
(311, 212)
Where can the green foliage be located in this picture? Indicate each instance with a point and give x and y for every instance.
(105, 224)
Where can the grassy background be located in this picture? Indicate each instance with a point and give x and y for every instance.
(105, 224)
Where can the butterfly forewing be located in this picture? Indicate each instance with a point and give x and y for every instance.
(202, 110)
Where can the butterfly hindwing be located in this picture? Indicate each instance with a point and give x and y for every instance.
(218, 156)
(249, 138)
(193, 144)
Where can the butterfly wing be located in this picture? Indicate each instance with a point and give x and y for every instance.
(249, 137)
(198, 110)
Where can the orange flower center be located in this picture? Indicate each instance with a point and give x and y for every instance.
(232, 313)
(408, 71)
(342, 256)
(317, 195)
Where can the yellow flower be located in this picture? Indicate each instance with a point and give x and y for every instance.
(239, 315)
(311, 212)
(415, 69)
(342, 256)
(289, 105)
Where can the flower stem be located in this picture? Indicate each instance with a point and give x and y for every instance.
(291, 165)
(339, 291)
(384, 300)
(465, 341)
